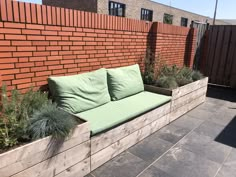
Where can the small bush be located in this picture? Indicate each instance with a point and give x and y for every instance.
(167, 82)
(184, 76)
(197, 75)
(50, 120)
(169, 71)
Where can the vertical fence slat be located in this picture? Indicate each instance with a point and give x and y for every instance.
(220, 79)
(16, 11)
(231, 71)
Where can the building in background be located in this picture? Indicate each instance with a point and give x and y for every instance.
(139, 9)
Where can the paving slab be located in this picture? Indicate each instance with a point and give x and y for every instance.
(179, 162)
(154, 172)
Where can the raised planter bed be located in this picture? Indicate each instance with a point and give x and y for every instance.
(184, 98)
(40, 159)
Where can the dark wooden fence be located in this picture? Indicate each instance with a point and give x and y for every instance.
(219, 60)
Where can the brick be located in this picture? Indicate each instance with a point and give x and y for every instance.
(21, 81)
(21, 43)
(38, 58)
(26, 31)
(78, 43)
(53, 28)
(35, 69)
(70, 66)
(53, 38)
(35, 38)
(76, 47)
(52, 63)
(41, 48)
(6, 49)
(23, 59)
(68, 29)
(51, 33)
(67, 61)
(10, 31)
(43, 73)
(53, 48)
(64, 43)
(5, 54)
(55, 67)
(4, 43)
(13, 25)
(76, 38)
(88, 39)
(54, 57)
(41, 53)
(27, 85)
(15, 37)
(26, 48)
(7, 66)
(40, 43)
(64, 33)
(24, 65)
(24, 75)
(8, 60)
(22, 54)
(60, 71)
(9, 71)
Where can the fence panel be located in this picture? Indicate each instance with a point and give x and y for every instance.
(221, 55)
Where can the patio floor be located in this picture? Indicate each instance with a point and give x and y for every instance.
(199, 144)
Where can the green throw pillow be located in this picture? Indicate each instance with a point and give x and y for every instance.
(124, 81)
(80, 92)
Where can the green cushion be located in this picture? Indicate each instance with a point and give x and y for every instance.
(116, 112)
(124, 81)
(80, 92)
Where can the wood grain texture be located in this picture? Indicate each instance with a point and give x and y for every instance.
(118, 147)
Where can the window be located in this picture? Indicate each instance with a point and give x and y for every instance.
(168, 19)
(146, 14)
(116, 9)
(184, 21)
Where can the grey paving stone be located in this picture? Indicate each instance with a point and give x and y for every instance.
(154, 172)
(187, 122)
(231, 160)
(208, 106)
(150, 148)
(210, 129)
(200, 114)
(226, 172)
(172, 133)
(205, 147)
(179, 162)
(124, 165)
(89, 175)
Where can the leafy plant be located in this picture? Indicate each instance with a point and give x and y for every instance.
(169, 71)
(15, 113)
(49, 120)
(184, 76)
(197, 75)
(167, 82)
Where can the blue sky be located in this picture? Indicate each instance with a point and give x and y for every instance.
(226, 8)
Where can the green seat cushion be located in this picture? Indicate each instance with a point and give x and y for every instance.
(80, 92)
(124, 81)
(116, 112)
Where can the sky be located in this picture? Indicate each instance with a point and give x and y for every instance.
(226, 8)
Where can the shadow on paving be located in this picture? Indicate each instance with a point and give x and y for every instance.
(228, 135)
(221, 93)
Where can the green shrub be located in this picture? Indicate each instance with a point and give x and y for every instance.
(184, 76)
(167, 82)
(169, 71)
(15, 113)
(49, 120)
(197, 75)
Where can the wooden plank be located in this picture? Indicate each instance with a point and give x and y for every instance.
(119, 146)
(220, 79)
(184, 100)
(78, 170)
(103, 140)
(30, 149)
(186, 108)
(181, 91)
(159, 90)
(231, 57)
(217, 57)
(211, 49)
(58, 163)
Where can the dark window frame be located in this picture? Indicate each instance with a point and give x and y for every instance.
(146, 14)
(184, 22)
(171, 17)
(115, 11)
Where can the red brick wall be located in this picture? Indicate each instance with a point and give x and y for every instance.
(39, 41)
